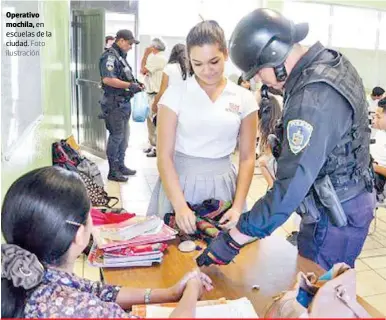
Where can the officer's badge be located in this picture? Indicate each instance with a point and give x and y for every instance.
(110, 63)
(298, 135)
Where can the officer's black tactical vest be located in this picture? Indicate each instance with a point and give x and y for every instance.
(122, 74)
(348, 165)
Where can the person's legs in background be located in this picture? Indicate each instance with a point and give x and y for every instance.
(122, 150)
(151, 150)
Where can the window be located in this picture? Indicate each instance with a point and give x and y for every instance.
(227, 13)
(317, 16)
(167, 17)
(354, 27)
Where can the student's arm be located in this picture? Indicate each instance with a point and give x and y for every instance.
(164, 85)
(166, 137)
(247, 158)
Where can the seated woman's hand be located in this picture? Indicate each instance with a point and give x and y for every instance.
(194, 280)
(186, 220)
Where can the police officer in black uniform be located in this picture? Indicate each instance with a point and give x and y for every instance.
(119, 86)
(324, 170)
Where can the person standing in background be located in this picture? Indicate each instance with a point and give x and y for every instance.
(119, 86)
(152, 67)
(376, 94)
(174, 73)
(109, 40)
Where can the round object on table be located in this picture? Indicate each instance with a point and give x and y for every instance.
(187, 246)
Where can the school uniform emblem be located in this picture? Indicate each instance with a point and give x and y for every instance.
(298, 135)
(234, 108)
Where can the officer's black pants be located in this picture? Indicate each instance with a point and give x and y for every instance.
(117, 123)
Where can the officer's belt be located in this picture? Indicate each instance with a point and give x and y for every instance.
(115, 98)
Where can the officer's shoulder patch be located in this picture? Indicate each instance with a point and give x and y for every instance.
(110, 57)
(298, 134)
(110, 62)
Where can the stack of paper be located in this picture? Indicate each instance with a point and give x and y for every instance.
(138, 241)
(222, 309)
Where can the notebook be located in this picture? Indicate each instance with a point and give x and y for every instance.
(126, 230)
(240, 308)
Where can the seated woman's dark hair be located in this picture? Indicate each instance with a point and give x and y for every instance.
(269, 113)
(206, 32)
(34, 216)
(178, 55)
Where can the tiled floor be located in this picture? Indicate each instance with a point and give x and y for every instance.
(135, 195)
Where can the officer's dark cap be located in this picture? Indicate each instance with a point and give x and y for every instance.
(126, 35)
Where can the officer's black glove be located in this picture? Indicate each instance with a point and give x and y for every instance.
(221, 251)
(140, 83)
(135, 88)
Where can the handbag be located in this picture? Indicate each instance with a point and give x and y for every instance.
(333, 295)
(140, 107)
(98, 196)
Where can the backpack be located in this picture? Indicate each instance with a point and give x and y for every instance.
(65, 156)
(90, 169)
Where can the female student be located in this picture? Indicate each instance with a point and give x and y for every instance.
(46, 223)
(199, 122)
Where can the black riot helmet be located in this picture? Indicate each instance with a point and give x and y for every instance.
(262, 39)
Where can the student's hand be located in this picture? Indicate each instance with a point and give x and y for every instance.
(194, 280)
(154, 108)
(230, 219)
(186, 220)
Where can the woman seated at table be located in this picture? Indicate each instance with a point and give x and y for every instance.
(46, 223)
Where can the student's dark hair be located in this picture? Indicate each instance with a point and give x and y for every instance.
(275, 92)
(178, 55)
(377, 91)
(240, 80)
(382, 104)
(269, 114)
(206, 32)
(33, 217)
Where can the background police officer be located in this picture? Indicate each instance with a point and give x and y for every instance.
(119, 86)
(324, 165)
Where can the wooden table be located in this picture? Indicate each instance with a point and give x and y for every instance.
(271, 263)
